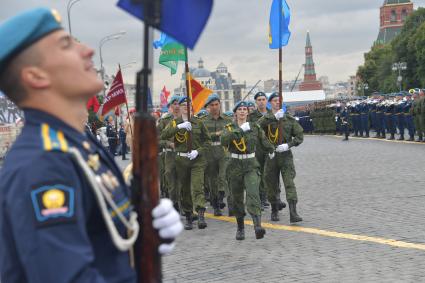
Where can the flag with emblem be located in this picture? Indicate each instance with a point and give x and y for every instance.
(171, 52)
(199, 94)
(115, 96)
(164, 97)
(280, 17)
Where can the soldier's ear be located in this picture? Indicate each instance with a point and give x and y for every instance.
(34, 77)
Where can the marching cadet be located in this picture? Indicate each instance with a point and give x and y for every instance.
(216, 156)
(421, 113)
(407, 110)
(261, 101)
(274, 125)
(242, 138)
(416, 113)
(65, 210)
(190, 162)
(168, 154)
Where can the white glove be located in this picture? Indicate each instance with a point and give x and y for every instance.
(185, 125)
(271, 155)
(279, 114)
(245, 127)
(167, 221)
(193, 154)
(282, 147)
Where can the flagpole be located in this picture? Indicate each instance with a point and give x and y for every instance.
(280, 68)
(189, 95)
(126, 105)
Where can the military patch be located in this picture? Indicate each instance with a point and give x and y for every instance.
(53, 204)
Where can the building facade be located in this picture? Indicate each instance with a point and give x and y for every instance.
(393, 15)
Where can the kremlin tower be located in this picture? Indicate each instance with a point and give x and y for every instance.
(393, 16)
(310, 81)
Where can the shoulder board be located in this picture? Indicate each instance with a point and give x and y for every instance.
(53, 140)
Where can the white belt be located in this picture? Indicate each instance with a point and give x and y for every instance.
(216, 143)
(167, 150)
(242, 156)
(182, 154)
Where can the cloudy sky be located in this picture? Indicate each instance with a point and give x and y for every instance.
(236, 34)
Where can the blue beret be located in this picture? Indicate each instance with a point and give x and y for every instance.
(251, 104)
(202, 113)
(211, 98)
(173, 99)
(184, 99)
(228, 113)
(23, 30)
(240, 104)
(258, 94)
(273, 95)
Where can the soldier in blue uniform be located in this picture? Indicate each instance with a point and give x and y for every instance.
(408, 110)
(399, 116)
(65, 211)
(364, 119)
(380, 123)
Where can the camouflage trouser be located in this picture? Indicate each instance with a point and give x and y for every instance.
(261, 158)
(161, 169)
(418, 124)
(190, 182)
(170, 176)
(216, 173)
(282, 163)
(244, 175)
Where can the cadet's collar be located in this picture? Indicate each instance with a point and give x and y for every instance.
(33, 116)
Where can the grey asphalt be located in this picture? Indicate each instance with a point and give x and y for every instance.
(362, 187)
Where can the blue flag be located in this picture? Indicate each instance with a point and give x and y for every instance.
(279, 13)
(182, 19)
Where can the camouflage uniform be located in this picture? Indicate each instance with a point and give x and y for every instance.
(283, 163)
(260, 155)
(243, 173)
(216, 162)
(190, 173)
(168, 163)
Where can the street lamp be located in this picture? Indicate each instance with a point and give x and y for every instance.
(101, 43)
(68, 9)
(399, 66)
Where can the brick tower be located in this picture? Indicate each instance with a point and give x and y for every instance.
(393, 16)
(310, 81)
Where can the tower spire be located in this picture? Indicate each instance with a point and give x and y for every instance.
(310, 81)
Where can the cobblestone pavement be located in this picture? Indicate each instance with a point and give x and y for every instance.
(361, 187)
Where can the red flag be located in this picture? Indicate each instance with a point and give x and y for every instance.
(164, 96)
(93, 102)
(115, 97)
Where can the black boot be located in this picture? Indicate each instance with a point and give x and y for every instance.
(294, 217)
(275, 213)
(281, 205)
(419, 139)
(401, 138)
(201, 221)
(240, 233)
(391, 137)
(377, 136)
(221, 203)
(411, 138)
(217, 210)
(259, 231)
(188, 225)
